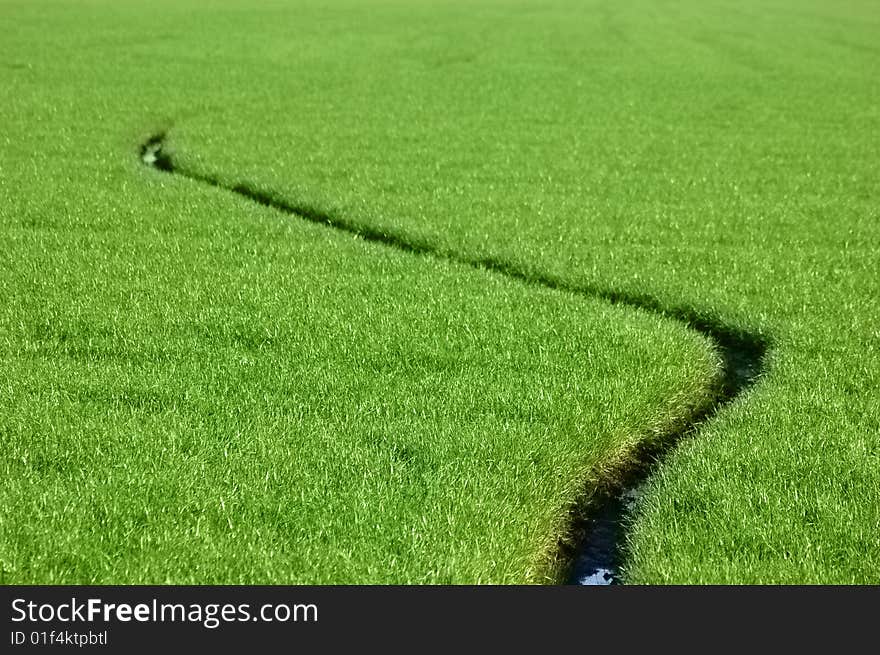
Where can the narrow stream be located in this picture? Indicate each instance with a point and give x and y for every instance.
(599, 558)
(601, 554)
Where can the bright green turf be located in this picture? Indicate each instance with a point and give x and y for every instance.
(199, 389)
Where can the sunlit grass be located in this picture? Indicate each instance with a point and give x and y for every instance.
(200, 389)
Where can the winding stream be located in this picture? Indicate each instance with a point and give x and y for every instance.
(599, 557)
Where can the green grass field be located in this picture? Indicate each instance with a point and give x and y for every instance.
(200, 389)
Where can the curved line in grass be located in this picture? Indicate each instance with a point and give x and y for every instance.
(742, 354)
